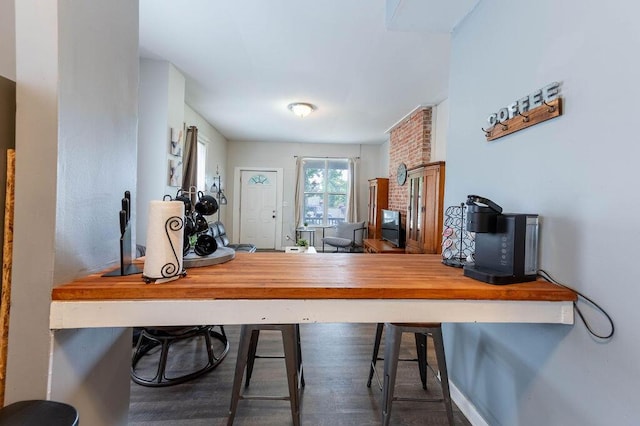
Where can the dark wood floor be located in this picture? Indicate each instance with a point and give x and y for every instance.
(336, 365)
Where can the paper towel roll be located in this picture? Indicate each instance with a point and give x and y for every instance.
(165, 234)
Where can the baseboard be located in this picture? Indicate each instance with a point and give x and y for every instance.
(467, 408)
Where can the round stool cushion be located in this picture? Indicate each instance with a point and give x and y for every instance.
(38, 413)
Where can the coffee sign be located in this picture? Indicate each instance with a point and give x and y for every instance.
(547, 94)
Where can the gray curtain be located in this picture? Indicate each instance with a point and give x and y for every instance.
(352, 192)
(299, 195)
(190, 162)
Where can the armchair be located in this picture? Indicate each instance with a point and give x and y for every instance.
(349, 236)
(217, 231)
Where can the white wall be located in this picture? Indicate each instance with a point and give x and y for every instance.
(216, 153)
(281, 155)
(383, 152)
(7, 39)
(153, 113)
(161, 108)
(578, 172)
(440, 114)
(77, 76)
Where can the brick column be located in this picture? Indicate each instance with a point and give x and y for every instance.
(410, 143)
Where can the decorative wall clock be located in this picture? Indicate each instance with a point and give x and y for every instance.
(401, 176)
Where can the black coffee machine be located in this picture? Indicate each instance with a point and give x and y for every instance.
(506, 245)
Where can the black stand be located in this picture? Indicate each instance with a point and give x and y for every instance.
(126, 267)
(457, 243)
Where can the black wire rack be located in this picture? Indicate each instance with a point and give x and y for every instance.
(458, 244)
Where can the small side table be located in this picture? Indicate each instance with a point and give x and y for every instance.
(312, 234)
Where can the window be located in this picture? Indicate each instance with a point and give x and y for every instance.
(326, 182)
(201, 167)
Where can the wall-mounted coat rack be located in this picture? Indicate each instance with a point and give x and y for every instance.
(521, 121)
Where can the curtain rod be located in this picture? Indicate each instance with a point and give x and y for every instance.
(315, 156)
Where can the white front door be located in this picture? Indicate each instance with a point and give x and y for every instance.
(258, 197)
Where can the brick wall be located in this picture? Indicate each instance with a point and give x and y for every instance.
(410, 143)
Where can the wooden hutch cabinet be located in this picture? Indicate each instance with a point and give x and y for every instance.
(378, 200)
(425, 208)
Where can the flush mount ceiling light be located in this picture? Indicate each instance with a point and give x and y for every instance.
(301, 109)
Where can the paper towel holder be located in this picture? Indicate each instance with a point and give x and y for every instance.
(170, 270)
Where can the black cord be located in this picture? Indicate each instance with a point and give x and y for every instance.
(545, 275)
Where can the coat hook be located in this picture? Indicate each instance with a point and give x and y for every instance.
(504, 126)
(487, 133)
(526, 117)
(551, 107)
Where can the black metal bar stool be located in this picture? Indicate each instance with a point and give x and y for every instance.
(247, 346)
(38, 413)
(421, 356)
(393, 339)
(164, 337)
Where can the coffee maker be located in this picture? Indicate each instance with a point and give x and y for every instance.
(506, 244)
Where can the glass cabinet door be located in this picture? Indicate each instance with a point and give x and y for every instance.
(411, 209)
(372, 204)
(419, 208)
(414, 211)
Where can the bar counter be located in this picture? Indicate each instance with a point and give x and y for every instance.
(327, 287)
